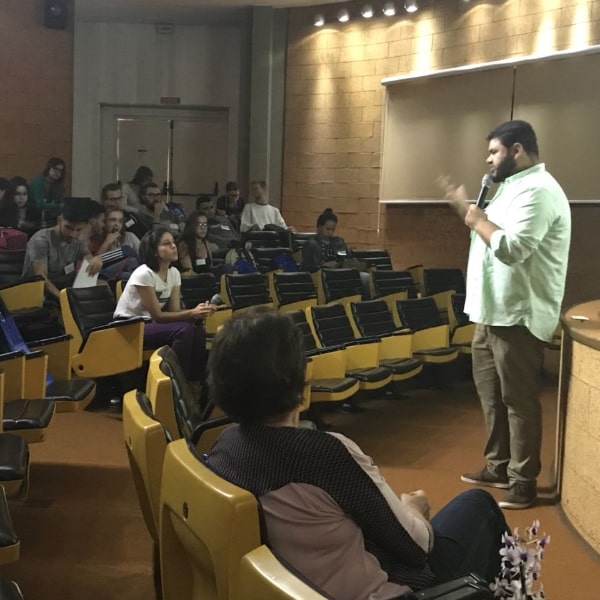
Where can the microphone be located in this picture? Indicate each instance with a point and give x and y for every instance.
(216, 300)
(486, 183)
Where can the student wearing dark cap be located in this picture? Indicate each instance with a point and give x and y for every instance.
(54, 252)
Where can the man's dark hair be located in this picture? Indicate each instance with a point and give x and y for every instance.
(80, 210)
(203, 199)
(110, 187)
(149, 247)
(257, 365)
(512, 132)
(231, 186)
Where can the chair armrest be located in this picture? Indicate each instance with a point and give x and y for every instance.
(432, 337)
(110, 349)
(362, 356)
(328, 363)
(58, 350)
(207, 425)
(36, 366)
(396, 345)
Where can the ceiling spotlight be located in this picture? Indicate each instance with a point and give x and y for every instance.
(319, 21)
(411, 6)
(366, 11)
(343, 16)
(389, 9)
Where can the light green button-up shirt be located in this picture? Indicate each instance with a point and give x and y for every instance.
(519, 279)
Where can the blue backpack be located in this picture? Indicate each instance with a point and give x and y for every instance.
(285, 262)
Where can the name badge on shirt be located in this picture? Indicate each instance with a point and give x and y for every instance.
(129, 223)
(200, 262)
(70, 268)
(225, 227)
(174, 226)
(341, 253)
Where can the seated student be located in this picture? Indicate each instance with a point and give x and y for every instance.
(131, 190)
(328, 511)
(231, 204)
(325, 250)
(48, 189)
(112, 197)
(17, 208)
(221, 234)
(153, 291)
(54, 252)
(153, 212)
(119, 248)
(195, 254)
(259, 214)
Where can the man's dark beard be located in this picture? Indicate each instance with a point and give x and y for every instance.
(505, 169)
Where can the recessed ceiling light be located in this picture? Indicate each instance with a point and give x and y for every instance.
(389, 9)
(343, 16)
(367, 11)
(411, 6)
(319, 21)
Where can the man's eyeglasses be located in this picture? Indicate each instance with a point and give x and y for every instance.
(156, 195)
(202, 225)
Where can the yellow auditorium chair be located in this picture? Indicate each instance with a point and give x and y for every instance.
(333, 328)
(146, 442)
(202, 288)
(14, 457)
(375, 258)
(100, 346)
(51, 355)
(390, 286)
(440, 284)
(328, 379)
(243, 290)
(263, 577)
(340, 286)
(174, 405)
(206, 526)
(431, 336)
(292, 291)
(372, 318)
(23, 414)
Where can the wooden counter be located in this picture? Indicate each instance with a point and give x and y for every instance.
(579, 413)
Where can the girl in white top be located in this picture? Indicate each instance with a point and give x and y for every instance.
(153, 291)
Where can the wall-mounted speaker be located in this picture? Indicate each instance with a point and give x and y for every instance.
(55, 14)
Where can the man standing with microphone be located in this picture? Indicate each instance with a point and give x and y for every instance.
(515, 285)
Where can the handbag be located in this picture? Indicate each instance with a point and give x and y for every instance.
(471, 587)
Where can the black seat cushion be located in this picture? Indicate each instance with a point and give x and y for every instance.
(28, 414)
(371, 375)
(333, 385)
(72, 389)
(14, 457)
(401, 366)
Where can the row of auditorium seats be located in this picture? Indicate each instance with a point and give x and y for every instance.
(206, 532)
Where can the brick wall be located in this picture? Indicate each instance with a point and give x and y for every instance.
(334, 102)
(36, 93)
